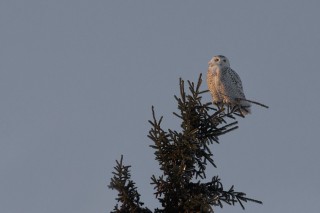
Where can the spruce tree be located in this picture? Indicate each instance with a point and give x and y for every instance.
(183, 156)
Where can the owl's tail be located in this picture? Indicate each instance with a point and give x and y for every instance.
(245, 107)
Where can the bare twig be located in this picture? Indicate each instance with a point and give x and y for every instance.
(253, 102)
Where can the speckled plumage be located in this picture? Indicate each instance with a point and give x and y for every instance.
(225, 85)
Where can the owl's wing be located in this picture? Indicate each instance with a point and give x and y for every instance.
(236, 81)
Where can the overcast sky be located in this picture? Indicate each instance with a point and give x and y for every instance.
(78, 78)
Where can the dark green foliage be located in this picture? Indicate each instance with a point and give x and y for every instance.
(183, 157)
(127, 192)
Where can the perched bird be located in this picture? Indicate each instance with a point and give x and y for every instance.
(225, 86)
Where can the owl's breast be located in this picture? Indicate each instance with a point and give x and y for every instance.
(215, 71)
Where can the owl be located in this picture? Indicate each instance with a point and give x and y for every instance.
(225, 85)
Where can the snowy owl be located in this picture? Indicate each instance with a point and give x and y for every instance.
(225, 85)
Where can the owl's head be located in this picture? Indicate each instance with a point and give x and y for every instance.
(219, 60)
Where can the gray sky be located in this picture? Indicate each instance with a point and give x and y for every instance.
(78, 78)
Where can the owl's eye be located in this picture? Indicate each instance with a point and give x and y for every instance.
(216, 59)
